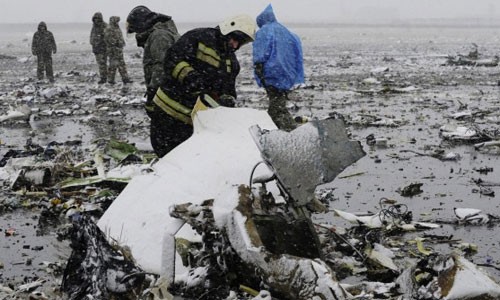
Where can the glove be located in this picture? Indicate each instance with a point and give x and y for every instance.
(227, 100)
(149, 105)
(150, 94)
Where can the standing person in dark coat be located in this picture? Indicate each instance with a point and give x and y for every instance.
(114, 48)
(278, 62)
(99, 45)
(156, 33)
(43, 46)
(202, 62)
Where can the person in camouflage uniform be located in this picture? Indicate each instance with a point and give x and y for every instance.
(114, 48)
(43, 46)
(156, 33)
(99, 45)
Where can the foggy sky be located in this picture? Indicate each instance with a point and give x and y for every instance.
(334, 11)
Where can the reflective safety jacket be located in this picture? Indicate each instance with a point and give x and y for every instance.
(200, 62)
(279, 51)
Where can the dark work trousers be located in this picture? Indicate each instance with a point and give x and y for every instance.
(44, 66)
(277, 109)
(166, 132)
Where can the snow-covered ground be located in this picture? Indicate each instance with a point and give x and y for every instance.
(391, 75)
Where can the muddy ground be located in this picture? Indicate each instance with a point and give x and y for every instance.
(394, 73)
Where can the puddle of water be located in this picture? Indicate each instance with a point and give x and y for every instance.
(46, 130)
(25, 254)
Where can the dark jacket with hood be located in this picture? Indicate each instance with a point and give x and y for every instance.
(97, 34)
(43, 41)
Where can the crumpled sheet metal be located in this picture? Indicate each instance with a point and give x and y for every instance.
(459, 278)
(96, 270)
(291, 277)
(313, 154)
(380, 220)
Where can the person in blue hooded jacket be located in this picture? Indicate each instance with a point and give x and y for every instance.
(278, 65)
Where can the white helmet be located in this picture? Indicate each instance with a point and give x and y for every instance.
(242, 23)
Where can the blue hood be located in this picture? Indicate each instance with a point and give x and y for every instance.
(266, 17)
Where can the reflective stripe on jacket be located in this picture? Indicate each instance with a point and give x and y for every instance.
(179, 111)
(172, 107)
(199, 63)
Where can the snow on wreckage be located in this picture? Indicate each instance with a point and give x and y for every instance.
(216, 163)
(260, 235)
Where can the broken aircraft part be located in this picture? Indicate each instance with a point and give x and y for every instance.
(313, 154)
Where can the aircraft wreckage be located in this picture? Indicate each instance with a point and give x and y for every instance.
(228, 213)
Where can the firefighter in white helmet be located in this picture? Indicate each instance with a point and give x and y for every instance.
(202, 62)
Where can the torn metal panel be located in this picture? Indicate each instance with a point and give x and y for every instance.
(313, 154)
(238, 247)
(457, 278)
(219, 154)
(381, 219)
(95, 269)
(288, 276)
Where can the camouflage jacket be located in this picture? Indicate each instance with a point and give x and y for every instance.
(161, 37)
(114, 36)
(97, 34)
(43, 42)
